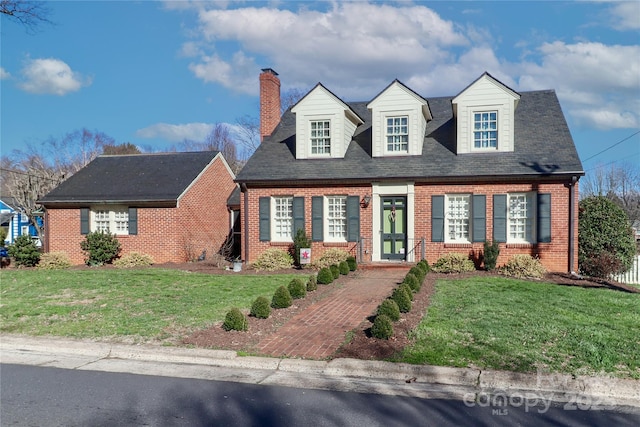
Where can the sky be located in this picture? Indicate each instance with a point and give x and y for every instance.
(156, 73)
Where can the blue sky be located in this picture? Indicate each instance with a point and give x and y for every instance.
(156, 73)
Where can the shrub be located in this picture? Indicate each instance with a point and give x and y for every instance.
(312, 283)
(491, 252)
(344, 268)
(331, 256)
(390, 309)
(335, 271)
(260, 308)
(24, 251)
(382, 327)
(133, 259)
(281, 298)
(424, 266)
(54, 261)
(273, 259)
(407, 289)
(300, 241)
(353, 264)
(235, 320)
(603, 228)
(100, 248)
(453, 263)
(523, 266)
(417, 271)
(403, 300)
(3, 236)
(325, 276)
(297, 289)
(412, 282)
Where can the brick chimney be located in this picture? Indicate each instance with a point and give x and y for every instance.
(269, 102)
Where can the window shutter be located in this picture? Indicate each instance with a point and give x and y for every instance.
(532, 208)
(353, 218)
(298, 214)
(437, 218)
(479, 209)
(84, 220)
(544, 218)
(133, 220)
(264, 213)
(500, 218)
(317, 233)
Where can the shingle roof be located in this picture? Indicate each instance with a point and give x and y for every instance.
(144, 179)
(542, 146)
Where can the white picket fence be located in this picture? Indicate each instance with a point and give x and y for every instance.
(632, 276)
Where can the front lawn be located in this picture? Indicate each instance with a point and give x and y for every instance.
(506, 324)
(133, 305)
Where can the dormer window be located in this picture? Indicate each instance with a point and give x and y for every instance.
(320, 137)
(485, 130)
(398, 134)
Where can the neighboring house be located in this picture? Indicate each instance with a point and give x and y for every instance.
(172, 206)
(402, 177)
(15, 222)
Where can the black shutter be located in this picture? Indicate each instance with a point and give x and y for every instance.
(479, 209)
(133, 221)
(500, 218)
(544, 218)
(84, 220)
(317, 233)
(437, 218)
(353, 218)
(532, 208)
(265, 218)
(298, 214)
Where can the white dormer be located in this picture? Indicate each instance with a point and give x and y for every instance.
(399, 119)
(484, 114)
(325, 125)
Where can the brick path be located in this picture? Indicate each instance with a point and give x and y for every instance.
(318, 331)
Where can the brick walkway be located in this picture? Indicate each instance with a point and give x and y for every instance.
(318, 331)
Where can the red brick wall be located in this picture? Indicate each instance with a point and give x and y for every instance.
(553, 255)
(199, 222)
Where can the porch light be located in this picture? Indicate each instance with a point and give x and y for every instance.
(365, 201)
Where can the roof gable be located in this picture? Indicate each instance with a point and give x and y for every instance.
(396, 88)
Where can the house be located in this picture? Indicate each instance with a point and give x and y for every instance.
(403, 177)
(15, 222)
(172, 206)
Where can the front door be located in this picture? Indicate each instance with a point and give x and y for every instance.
(394, 227)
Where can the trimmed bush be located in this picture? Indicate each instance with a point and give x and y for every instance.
(235, 320)
(491, 252)
(312, 283)
(281, 298)
(297, 289)
(390, 309)
(403, 300)
(100, 248)
(273, 259)
(344, 268)
(417, 271)
(523, 267)
(331, 256)
(382, 327)
(260, 308)
(24, 251)
(300, 241)
(325, 276)
(412, 282)
(133, 259)
(424, 266)
(335, 271)
(407, 289)
(353, 264)
(453, 263)
(54, 261)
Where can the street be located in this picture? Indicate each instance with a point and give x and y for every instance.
(39, 396)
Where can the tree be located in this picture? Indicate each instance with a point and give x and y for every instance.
(28, 13)
(618, 183)
(605, 241)
(126, 148)
(219, 139)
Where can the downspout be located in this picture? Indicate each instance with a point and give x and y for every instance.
(571, 186)
(245, 223)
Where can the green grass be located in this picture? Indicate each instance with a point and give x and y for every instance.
(134, 305)
(506, 324)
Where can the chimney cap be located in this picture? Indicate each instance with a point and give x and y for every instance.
(269, 70)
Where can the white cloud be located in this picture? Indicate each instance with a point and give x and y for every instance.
(626, 15)
(176, 133)
(4, 74)
(51, 76)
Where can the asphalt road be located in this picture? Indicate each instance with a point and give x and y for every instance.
(39, 396)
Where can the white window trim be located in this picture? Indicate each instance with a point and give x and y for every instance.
(396, 114)
(331, 135)
(448, 217)
(112, 210)
(530, 218)
(472, 127)
(325, 220)
(274, 236)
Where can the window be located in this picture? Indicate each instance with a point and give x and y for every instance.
(320, 137)
(519, 216)
(485, 129)
(113, 220)
(457, 218)
(398, 134)
(283, 219)
(337, 218)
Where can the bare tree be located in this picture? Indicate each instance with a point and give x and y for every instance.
(76, 149)
(619, 183)
(30, 14)
(219, 139)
